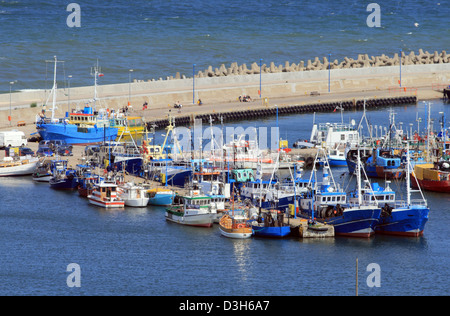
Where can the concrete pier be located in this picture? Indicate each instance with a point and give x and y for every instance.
(220, 94)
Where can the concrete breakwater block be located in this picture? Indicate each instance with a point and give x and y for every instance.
(363, 60)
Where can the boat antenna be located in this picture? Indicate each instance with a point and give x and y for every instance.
(95, 71)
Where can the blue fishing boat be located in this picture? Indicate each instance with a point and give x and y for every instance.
(273, 194)
(63, 178)
(160, 196)
(176, 175)
(78, 128)
(271, 224)
(328, 204)
(81, 128)
(401, 218)
(382, 163)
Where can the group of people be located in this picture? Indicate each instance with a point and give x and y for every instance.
(178, 105)
(245, 98)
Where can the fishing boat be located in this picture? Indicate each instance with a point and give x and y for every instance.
(87, 179)
(401, 218)
(234, 225)
(336, 157)
(43, 172)
(105, 195)
(271, 224)
(432, 177)
(191, 210)
(272, 193)
(89, 126)
(133, 195)
(381, 163)
(176, 175)
(87, 183)
(160, 196)
(128, 126)
(328, 204)
(63, 178)
(121, 156)
(335, 138)
(18, 166)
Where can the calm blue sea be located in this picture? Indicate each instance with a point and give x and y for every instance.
(161, 37)
(136, 252)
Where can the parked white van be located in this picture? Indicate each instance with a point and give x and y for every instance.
(13, 139)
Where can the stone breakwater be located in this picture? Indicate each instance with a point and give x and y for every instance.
(363, 60)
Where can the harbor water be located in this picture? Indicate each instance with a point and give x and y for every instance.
(136, 252)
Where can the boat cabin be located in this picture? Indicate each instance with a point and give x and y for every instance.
(196, 201)
(385, 158)
(106, 190)
(243, 175)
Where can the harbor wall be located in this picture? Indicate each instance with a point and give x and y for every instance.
(220, 90)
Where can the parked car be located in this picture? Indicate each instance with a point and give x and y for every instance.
(26, 151)
(44, 151)
(58, 147)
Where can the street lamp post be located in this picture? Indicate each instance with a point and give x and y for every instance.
(329, 72)
(400, 82)
(193, 84)
(260, 77)
(129, 86)
(10, 103)
(68, 94)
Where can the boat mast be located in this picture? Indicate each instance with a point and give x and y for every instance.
(95, 72)
(53, 92)
(358, 178)
(408, 189)
(428, 132)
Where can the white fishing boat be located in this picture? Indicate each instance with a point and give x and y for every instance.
(133, 195)
(105, 195)
(191, 210)
(22, 166)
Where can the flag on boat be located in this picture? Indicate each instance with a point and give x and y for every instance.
(100, 75)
